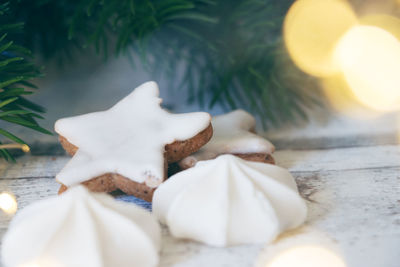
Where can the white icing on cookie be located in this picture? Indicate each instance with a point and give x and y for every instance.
(232, 134)
(229, 201)
(82, 229)
(128, 139)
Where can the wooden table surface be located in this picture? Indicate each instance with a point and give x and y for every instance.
(352, 193)
(346, 169)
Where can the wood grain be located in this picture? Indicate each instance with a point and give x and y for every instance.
(353, 196)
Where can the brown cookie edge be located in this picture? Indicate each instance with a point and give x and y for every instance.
(181, 149)
(139, 190)
(173, 152)
(257, 157)
(110, 182)
(102, 183)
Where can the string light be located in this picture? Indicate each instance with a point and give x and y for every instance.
(307, 256)
(8, 203)
(369, 58)
(342, 99)
(24, 147)
(311, 30)
(302, 247)
(383, 21)
(30, 265)
(358, 59)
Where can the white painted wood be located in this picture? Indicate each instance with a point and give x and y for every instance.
(294, 160)
(26, 191)
(360, 209)
(353, 195)
(339, 159)
(32, 166)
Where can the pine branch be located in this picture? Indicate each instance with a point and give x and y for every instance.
(15, 75)
(237, 60)
(231, 49)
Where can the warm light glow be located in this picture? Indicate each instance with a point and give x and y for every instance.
(8, 203)
(307, 256)
(30, 265)
(42, 263)
(311, 31)
(342, 99)
(383, 21)
(369, 58)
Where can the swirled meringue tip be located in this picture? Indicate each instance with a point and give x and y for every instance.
(80, 228)
(229, 201)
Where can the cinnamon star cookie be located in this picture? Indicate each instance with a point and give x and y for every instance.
(129, 146)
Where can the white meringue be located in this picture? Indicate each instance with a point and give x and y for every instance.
(84, 229)
(229, 201)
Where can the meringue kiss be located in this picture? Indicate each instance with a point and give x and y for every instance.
(79, 228)
(229, 201)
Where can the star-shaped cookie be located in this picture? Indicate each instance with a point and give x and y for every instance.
(234, 133)
(129, 145)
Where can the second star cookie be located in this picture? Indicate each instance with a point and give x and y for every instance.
(129, 146)
(234, 133)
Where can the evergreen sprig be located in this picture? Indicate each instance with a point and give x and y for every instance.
(16, 73)
(237, 60)
(230, 51)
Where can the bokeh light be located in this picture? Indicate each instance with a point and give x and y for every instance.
(300, 247)
(30, 265)
(43, 262)
(311, 31)
(369, 58)
(342, 99)
(8, 203)
(383, 21)
(307, 256)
